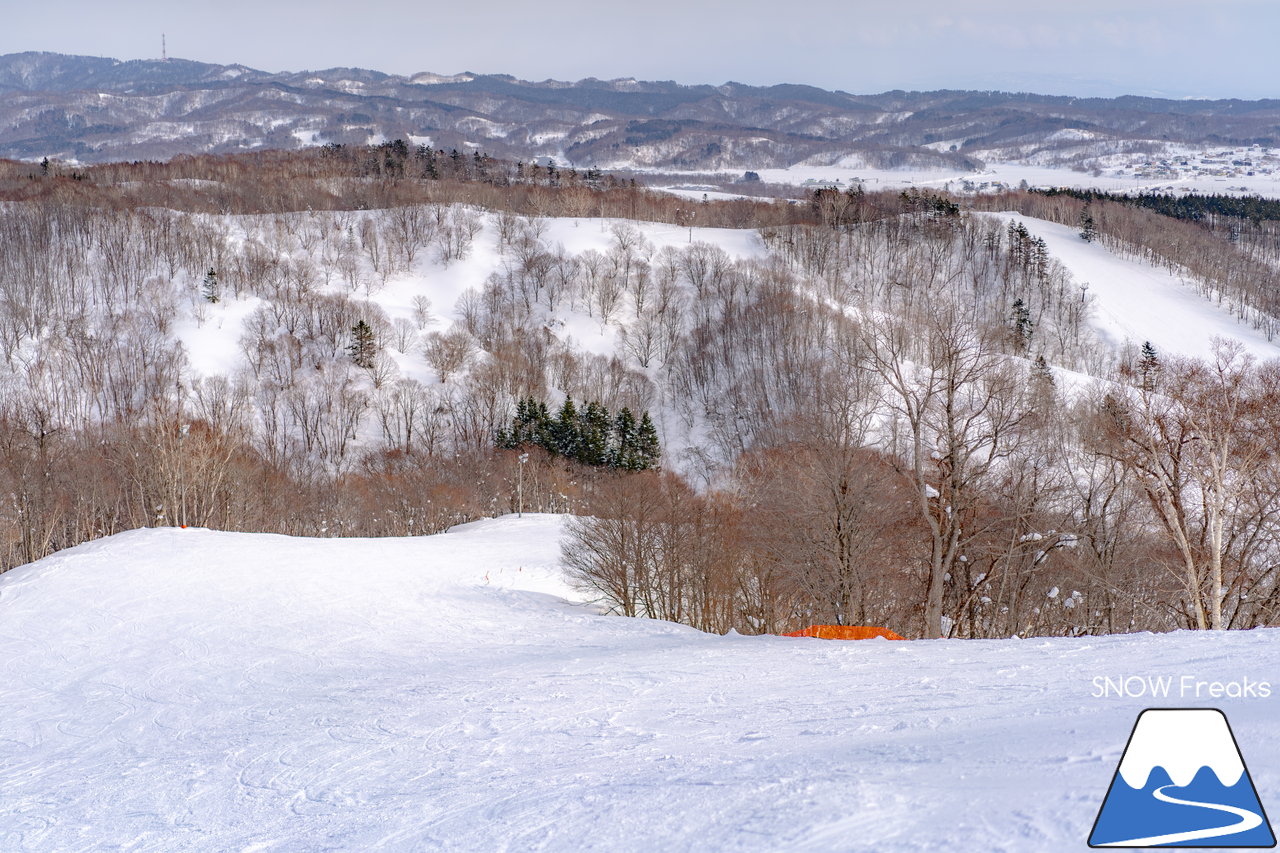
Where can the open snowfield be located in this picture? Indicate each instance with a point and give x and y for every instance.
(175, 690)
(996, 175)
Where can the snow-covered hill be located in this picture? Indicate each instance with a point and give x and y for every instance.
(95, 110)
(174, 690)
(1131, 302)
(211, 334)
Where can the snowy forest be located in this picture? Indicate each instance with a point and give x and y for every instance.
(856, 408)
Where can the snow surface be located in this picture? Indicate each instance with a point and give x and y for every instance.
(211, 333)
(579, 235)
(998, 175)
(176, 690)
(1135, 301)
(212, 341)
(712, 194)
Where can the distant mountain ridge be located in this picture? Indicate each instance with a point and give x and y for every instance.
(94, 109)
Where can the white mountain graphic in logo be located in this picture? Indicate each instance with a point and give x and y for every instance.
(1182, 783)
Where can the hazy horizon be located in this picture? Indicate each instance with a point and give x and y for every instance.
(1171, 49)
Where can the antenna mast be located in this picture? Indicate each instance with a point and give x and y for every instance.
(164, 51)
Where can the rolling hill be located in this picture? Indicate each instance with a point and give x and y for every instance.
(92, 109)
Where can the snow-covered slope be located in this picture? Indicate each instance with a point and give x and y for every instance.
(1137, 302)
(211, 340)
(176, 690)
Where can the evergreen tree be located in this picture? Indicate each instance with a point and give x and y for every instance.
(1088, 228)
(1039, 258)
(1018, 237)
(623, 447)
(1023, 328)
(542, 428)
(1148, 366)
(564, 431)
(210, 289)
(587, 435)
(521, 425)
(593, 434)
(648, 450)
(363, 348)
(428, 157)
(530, 425)
(527, 427)
(1191, 207)
(1043, 384)
(394, 155)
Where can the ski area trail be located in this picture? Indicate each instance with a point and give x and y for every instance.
(189, 690)
(1135, 301)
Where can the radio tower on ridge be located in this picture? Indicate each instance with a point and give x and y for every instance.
(164, 51)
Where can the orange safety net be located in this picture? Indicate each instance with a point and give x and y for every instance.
(845, 632)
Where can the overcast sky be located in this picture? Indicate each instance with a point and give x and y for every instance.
(1214, 48)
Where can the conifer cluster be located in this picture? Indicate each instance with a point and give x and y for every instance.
(590, 435)
(1195, 207)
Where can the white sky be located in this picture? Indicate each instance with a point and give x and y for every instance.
(1217, 48)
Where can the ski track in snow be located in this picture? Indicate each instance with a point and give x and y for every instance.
(176, 690)
(1138, 302)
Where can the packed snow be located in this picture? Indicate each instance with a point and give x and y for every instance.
(176, 690)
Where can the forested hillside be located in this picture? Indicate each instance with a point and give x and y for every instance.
(856, 408)
(93, 109)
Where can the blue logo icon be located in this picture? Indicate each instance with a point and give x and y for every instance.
(1182, 783)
